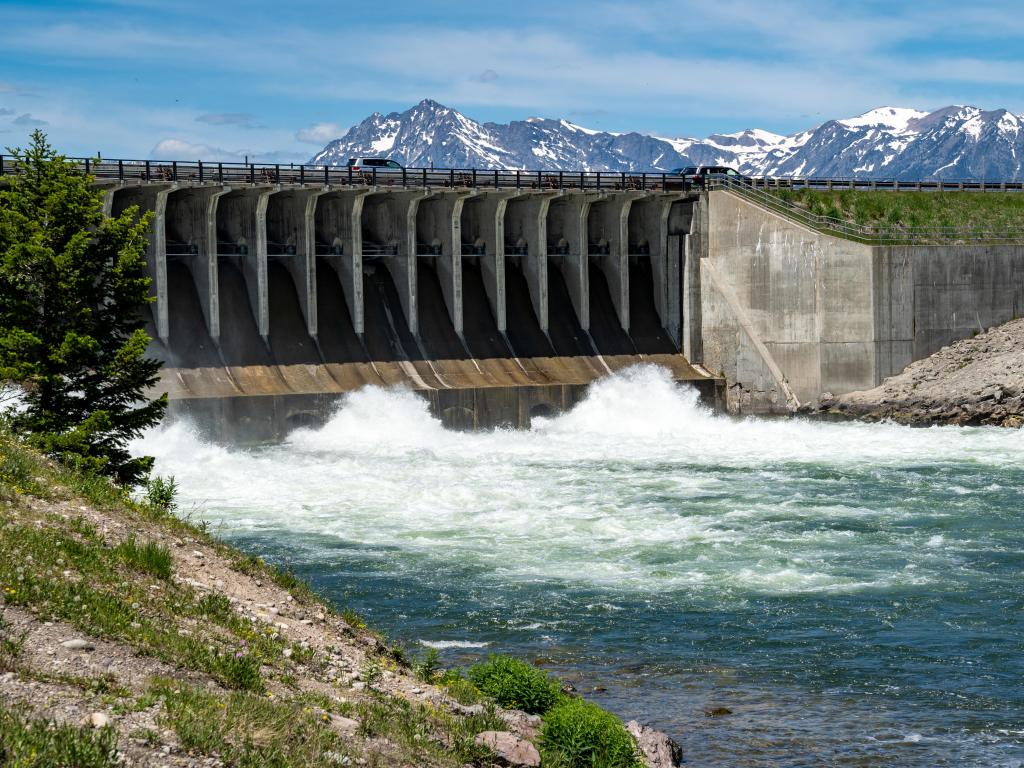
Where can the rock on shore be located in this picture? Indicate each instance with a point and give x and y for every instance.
(975, 381)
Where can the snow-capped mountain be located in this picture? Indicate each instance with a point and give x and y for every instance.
(956, 142)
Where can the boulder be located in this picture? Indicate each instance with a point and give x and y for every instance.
(509, 749)
(78, 645)
(520, 723)
(659, 750)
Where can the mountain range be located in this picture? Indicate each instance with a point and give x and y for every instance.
(956, 142)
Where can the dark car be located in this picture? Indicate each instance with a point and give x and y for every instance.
(699, 174)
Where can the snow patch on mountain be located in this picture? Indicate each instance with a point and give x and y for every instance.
(888, 142)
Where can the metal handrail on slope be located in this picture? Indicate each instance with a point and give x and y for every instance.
(869, 234)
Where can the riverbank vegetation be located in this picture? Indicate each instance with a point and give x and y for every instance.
(948, 216)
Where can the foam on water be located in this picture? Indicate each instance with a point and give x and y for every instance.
(643, 527)
(638, 467)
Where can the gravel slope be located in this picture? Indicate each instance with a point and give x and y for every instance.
(972, 382)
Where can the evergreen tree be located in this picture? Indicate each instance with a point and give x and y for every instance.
(73, 290)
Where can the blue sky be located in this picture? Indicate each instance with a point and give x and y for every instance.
(276, 80)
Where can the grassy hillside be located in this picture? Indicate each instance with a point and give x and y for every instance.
(948, 216)
(131, 637)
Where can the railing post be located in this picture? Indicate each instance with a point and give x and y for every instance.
(252, 173)
(583, 180)
(120, 169)
(87, 166)
(302, 174)
(517, 178)
(663, 179)
(1, 165)
(540, 180)
(623, 179)
(643, 181)
(200, 171)
(451, 177)
(277, 173)
(598, 182)
(424, 178)
(561, 184)
(495, 178)
(147, 170)
(373, 175)
(474, 177)
(174, 170)
(405, 177)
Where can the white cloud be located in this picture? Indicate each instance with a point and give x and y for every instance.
(181, 149)
(319, 133)
(174, 149)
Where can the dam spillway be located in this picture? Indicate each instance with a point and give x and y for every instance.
(272, 301)
(504, 295)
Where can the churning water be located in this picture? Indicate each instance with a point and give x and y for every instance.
(852, 593)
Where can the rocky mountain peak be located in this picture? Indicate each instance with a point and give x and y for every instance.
(958, 141)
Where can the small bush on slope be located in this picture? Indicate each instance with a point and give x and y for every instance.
(578, 734)
(515, 684)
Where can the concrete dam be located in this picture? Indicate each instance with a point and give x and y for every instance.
(271, 301)
(500, 298)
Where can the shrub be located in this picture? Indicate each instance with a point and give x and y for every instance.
(161, 492)
(515, 684)
(427, 668)
(149, 557)
(578, 734)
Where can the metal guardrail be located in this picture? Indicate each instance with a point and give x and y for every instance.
(765, 197)
(759, 190)
(257, 174)
(199, 172)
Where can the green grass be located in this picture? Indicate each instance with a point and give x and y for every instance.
(964, 215)
(578, 734)
(425, 734)
(515, 684)
(246, 729)
(103, 598)
(151, 557)
(35, 743)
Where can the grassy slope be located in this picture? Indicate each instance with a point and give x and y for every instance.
(210, 654)
(971, 212)
(233, 688)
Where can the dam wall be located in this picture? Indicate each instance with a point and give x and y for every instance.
(787, 313)
(271, 301)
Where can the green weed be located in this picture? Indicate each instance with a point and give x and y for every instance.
(150, 557)
(36, 743)
(578, 734)
(515, 684)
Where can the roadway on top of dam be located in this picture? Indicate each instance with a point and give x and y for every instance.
(197, 171)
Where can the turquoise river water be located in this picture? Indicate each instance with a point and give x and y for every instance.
(852, 593)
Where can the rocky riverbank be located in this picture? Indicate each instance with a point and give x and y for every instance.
(976, 381)
(129, 637)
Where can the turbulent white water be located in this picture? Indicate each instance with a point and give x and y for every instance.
(578, 497)
(642, 531)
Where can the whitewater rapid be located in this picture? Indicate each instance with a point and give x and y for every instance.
(581, 496)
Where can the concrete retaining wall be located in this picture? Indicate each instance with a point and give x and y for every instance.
(788, 313)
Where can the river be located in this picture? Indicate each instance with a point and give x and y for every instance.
(851, 593)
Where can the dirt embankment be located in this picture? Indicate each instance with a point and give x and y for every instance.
(976, 381)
